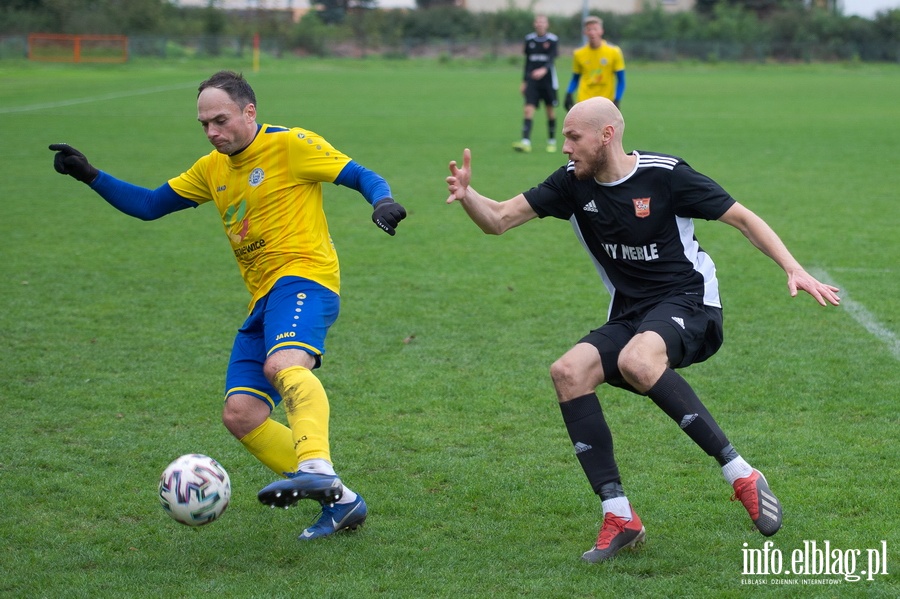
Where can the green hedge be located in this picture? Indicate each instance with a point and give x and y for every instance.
(728, 32)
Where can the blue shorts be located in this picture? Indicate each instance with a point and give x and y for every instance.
(295, 314)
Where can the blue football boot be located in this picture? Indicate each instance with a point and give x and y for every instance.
(337, 517)
(324, 488)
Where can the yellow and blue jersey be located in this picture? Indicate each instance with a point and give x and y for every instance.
(597, 68)
(270, 199)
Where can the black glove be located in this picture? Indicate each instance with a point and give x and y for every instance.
(388, 214)
(569, 103)
(69, 161)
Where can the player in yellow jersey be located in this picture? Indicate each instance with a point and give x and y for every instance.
(598, 68)
(266, 183)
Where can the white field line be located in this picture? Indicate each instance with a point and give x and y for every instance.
(91, 99)
(862, 316)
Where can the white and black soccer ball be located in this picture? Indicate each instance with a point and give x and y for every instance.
(194, 489)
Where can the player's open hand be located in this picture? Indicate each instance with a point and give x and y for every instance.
(458, 181)
(821, 292)
(69, 161)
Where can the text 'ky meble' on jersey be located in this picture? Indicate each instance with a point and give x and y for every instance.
(639, 231)
(270, 199)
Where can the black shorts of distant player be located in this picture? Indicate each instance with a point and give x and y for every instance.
(541, 90)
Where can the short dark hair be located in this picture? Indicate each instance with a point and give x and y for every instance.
(232, 84)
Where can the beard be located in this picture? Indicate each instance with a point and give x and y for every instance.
(590, 166)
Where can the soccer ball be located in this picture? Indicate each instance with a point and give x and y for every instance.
(194, 489)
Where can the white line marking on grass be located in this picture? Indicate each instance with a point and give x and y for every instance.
(869, 271)
(862, 316)
(90, 99)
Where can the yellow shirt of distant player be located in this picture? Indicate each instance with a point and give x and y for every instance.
(597, 67)
(270, 199)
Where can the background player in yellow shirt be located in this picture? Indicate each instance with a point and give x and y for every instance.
(598, 68)
(266, 183)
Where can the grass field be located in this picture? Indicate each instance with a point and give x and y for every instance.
(117, 333)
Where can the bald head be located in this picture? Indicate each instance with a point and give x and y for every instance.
(594, 114)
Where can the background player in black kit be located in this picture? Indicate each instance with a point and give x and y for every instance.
(633, 214)
(539, 83)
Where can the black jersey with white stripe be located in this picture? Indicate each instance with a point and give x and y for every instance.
(639, 231)
(541, 51)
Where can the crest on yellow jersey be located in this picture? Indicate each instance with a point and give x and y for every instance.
(256, 177)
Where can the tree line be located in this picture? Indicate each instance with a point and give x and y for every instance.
(716, 29)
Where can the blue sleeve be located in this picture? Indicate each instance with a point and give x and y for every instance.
(620, 84)
(573, 84)
(139, 202)
(370, 184)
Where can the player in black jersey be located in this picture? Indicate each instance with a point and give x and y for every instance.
(539, 83)
(634, 214)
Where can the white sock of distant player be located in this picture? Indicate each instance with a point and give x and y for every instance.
(619, 506)
(320, 466)
(735, 469)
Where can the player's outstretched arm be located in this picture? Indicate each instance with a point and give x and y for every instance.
(492, 217)
(767, 241)
(133, 200)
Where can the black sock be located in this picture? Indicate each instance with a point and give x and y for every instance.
(526, 128)
(677, 399)
(727, 454)
(611, 490)
(592, 439)
(551, 129)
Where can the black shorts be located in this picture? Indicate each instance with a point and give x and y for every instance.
(691, 330)
(541, 90)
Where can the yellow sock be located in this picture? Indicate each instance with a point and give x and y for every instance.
(307, 410)
(273, 445)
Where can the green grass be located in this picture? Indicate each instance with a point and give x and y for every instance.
(116, 335)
